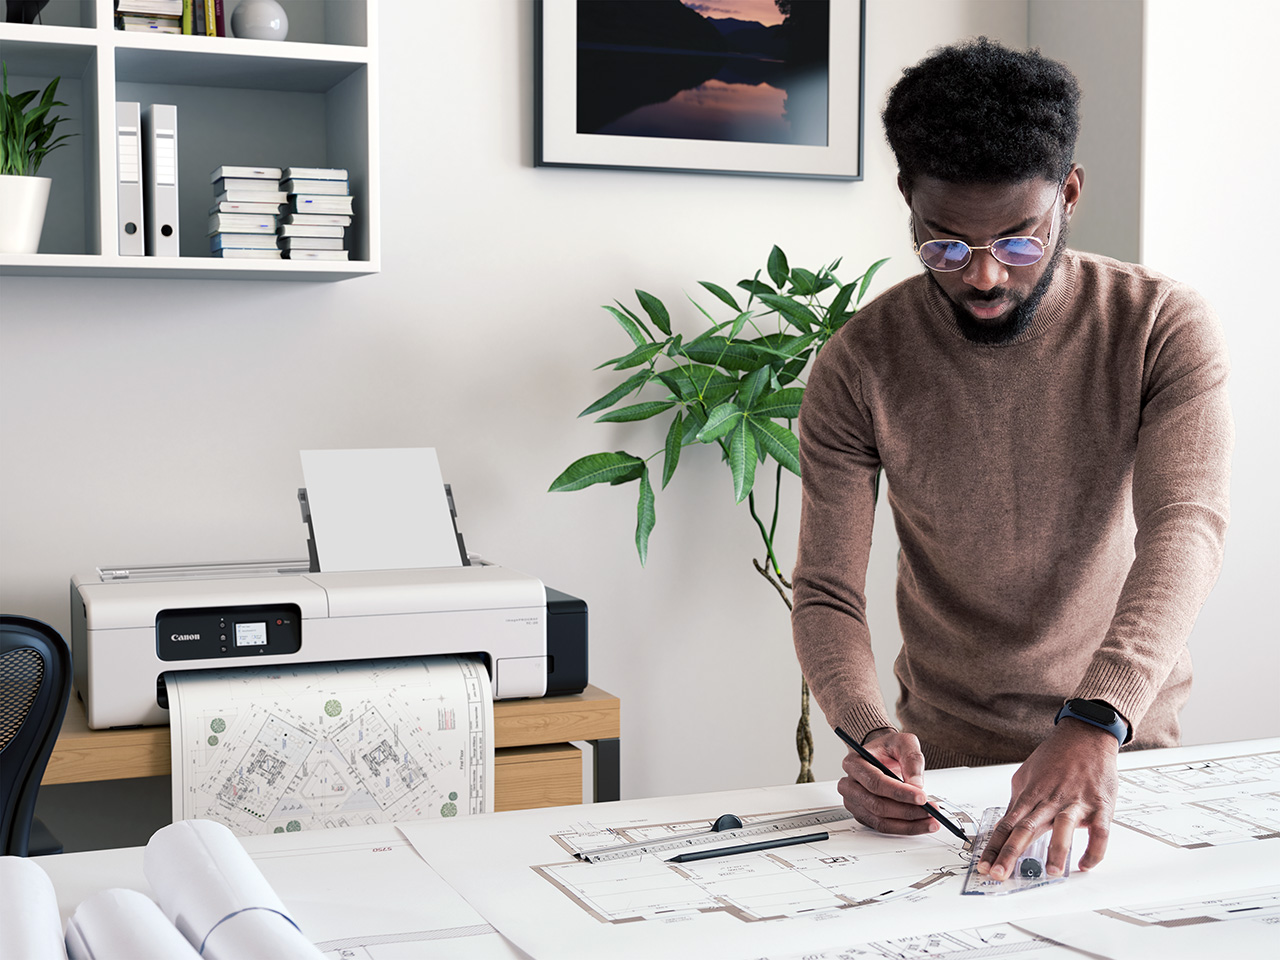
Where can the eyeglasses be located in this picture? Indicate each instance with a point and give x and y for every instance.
(945, 256)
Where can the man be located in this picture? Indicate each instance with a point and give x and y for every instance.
(1055, 434)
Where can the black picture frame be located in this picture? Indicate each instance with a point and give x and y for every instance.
(558, 142)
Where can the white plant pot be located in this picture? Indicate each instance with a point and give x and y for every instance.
(22, 204)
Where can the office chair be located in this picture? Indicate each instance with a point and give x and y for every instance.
(35, 684)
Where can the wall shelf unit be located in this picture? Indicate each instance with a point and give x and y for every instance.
(310, 100)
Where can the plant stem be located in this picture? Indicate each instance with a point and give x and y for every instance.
(764, 534)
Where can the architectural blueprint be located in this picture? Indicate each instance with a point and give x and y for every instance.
(403, 910)
(281, 749)
(1204, 803)
(980, 943)
(1240, 923)
(852, 868)
(855, 888)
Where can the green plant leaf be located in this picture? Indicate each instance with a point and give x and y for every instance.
(742, 460)
(722, 352)
(645, 516)
(634, 316)
(720, 421)
(695, 383)
(803, 282)
(675, 441)
(595, 468)
(632, 328)
(695, 420)
(640, 355)
(866, 277)
(751, 386)
(656, 311)
(785, 346)
(794, 311)
(755, 287)
(779, 442)
(637, 411)
(840, 303)
(627, 386)
(722, 294)
(779, 405)
(777, 266)
(632, 474)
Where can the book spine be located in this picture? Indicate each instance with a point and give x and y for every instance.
(210, 19)
(221, 17)
(188, 12)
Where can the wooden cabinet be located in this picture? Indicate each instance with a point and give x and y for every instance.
(536, 764)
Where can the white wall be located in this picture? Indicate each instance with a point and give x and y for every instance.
(160, 421)
(1210, 147)
(1101, 40)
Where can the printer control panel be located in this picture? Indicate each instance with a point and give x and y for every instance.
(216, 633)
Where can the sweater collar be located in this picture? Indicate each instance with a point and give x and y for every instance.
(1054, 305)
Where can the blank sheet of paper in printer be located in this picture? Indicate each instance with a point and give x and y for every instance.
(379, 509)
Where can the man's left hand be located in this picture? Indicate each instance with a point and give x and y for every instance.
(1068, 782)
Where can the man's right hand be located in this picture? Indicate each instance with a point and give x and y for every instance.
(881, 802)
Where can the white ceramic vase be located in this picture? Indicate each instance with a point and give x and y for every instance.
(22, 205)
(259, 20)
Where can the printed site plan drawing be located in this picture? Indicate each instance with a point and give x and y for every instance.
(332, 745)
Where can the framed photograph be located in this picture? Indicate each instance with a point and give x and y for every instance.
(755, 87)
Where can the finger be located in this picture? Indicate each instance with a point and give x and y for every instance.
(884, 815)
(876, 782)
(1024, 830)
(1064, 828)
(994, 843)
(1099, 832)
(906, 750)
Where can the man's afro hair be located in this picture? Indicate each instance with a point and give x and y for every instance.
(978, 112)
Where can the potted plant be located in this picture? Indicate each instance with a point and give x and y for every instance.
(26, 138)
(736, 386)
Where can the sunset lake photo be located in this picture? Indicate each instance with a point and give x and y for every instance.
(753, 71)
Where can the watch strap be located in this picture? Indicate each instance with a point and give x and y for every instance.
(1093, 712)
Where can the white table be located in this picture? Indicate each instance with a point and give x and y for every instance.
(366, 888)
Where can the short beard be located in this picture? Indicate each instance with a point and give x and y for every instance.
(1019, 318)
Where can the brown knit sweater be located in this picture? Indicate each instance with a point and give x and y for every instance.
(1061, 503)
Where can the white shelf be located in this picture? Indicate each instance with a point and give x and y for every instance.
(308, 101)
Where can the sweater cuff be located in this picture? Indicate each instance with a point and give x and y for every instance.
(1113, 683)
(861, 719)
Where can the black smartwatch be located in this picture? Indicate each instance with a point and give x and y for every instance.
(1099, 713)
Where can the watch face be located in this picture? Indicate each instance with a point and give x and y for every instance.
(1093, 710)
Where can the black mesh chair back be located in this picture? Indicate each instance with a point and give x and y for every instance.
(35, 684)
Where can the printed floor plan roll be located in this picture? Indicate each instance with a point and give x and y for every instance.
(274, 749)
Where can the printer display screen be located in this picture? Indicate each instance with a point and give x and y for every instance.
(251, 634)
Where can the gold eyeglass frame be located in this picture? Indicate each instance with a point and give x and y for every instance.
(917, 246)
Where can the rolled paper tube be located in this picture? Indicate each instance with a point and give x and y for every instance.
(202, 877)
(30, 925)
(121, 924)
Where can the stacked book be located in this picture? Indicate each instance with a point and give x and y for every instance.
(154, 16)
(242, 220)
(314, 219)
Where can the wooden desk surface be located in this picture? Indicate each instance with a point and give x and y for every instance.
(81, 754)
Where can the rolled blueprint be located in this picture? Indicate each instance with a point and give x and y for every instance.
(217, 898)
(121, 924)
(30, 925)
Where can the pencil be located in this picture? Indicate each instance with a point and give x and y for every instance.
(748, 847)
(929, 808)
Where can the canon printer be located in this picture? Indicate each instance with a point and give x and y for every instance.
(132, 626)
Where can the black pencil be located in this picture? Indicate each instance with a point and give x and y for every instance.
(747, 847)
(929, 808)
